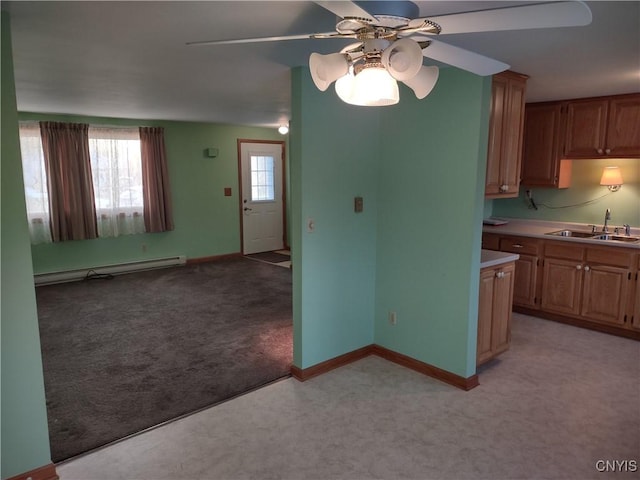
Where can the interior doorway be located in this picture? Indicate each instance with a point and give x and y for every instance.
(262, 195)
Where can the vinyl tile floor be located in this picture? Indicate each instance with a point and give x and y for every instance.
(558, 405)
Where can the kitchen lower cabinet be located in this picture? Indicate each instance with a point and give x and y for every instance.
(604, 293)
(634, 300)
(494, 311)
(525, 285)
(593, 286)
(561, 286)
(591, 283)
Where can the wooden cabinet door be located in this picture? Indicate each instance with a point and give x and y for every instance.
(604, 296)
(561, 286)
(506, 124)
(635, 318)
(502, 299)
(586, 128)
(525, 279)
(543, 134)
(493, 180)
(512, 134)
(485, 315)
(623, 133)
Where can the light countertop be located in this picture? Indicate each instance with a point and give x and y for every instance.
(540, 229)
(492, 258)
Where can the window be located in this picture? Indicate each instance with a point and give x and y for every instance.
(116, 169)
(262, 184)
(35, 183)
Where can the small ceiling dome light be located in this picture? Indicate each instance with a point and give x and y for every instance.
(612, 178)
(283, 129)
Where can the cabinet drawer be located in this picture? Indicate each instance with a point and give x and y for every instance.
(567, 251)
(526, 245)
(610, 256)
(490, 241)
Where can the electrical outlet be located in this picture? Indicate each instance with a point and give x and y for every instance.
(393, 318)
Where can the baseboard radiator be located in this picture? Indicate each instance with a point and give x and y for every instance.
(116, 269)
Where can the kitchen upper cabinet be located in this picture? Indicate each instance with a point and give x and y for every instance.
(494, 311)
(623, 133)
(542, 163)
(506, 126)
(586, 128)
(603, 127)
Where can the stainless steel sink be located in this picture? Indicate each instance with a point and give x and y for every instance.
(616, 238)
(594, 236)
(572, 233)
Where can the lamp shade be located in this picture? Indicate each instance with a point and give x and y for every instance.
(611, 176)
(424, 81)
(403, 59)
(327, 68)
(372, 87)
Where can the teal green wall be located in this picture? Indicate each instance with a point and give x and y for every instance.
(335, 151)
(624, 204)
(429, 222)
(206, 222)
(24, 431)
(420, 167)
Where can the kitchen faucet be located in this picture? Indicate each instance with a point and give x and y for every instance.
(607, 217)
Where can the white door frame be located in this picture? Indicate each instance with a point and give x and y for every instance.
(283, 188)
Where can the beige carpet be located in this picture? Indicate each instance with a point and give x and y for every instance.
(560, 400)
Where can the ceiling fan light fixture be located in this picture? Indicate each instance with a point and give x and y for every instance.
(402, 59)
(424, 81)
(375, 87)
(325, 69)
(344, 86)
(370, 87)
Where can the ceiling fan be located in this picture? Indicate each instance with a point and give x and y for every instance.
(390, 45)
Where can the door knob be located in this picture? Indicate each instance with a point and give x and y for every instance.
(247, 208)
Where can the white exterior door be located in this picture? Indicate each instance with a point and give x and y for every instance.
(262, 197)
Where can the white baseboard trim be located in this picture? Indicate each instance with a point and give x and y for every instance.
(115, 269)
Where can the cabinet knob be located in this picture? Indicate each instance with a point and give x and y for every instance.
(500, 274)
(504, 188)
(517, 245)
(600, 151)
(607, 151)
(578, 267)
(586, 268)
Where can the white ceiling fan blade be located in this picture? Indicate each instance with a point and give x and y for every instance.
(263, 39)
(464, 59)
(541, 15)
(347, 9)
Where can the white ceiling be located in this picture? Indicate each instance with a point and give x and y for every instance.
(129, 59)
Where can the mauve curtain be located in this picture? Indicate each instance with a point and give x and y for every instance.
(158, 215)
(71, 201)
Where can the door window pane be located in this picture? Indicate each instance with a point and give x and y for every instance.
(262, 179)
